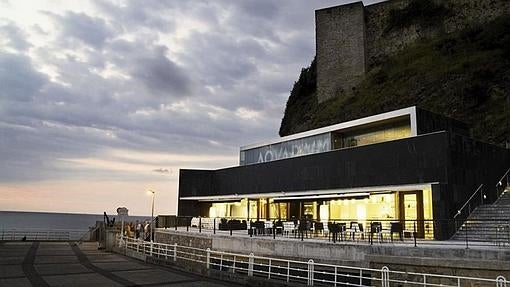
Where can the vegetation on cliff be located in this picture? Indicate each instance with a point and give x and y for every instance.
(465, 76)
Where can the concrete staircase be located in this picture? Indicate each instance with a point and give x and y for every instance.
(488, 223)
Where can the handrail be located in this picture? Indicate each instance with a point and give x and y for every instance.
(471, 197)
(287, 269)
(501, 179)
(89, 233)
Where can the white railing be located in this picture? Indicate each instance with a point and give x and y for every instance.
(301, 271)
(41, 234)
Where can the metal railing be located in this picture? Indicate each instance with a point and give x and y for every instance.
(503, 183)
(16, 234)
(483, 232)
(305, 272)
(468, 202)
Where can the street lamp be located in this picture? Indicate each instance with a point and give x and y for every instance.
(152, 213)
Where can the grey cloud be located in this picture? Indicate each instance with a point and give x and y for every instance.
(161, 76)
(18, 79)
(135, 14)
(161, 170)
(267, 9)
(92, 31)
(247, 58)
(15, 37)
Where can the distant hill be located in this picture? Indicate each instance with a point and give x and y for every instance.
(465, 75)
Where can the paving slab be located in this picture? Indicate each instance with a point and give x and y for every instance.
(11, 271)
(11, 260)
(49, 264)
(55, 259)
(197, 284)
(106, 258)
(153, 276)
(18, 282)
(54, 269)
(84, 280)
(53, 252)
(13, 253)
(121, 266)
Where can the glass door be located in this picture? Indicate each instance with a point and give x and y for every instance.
(411, 212)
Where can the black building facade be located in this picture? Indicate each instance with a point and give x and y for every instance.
(408, 165)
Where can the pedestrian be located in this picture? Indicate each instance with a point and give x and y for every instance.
(138, 229)
(146, 231)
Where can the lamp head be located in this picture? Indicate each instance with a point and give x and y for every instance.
(151, 191)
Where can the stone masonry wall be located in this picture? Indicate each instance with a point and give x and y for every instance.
(462, 14)
(340, 45)
(352, 38)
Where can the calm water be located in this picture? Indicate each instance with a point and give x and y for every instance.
(43, 220)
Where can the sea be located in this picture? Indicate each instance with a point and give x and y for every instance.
(47, 220)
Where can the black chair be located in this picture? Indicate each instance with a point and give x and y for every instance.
(318, 227)
(304, 227)
(396, 227)
(256, 227)
(278, 225)
(355, 228)
(342, 230)
(376, 228)
(334, 229)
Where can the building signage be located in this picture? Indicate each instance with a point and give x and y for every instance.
(288, 149)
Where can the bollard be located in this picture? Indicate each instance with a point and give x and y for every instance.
(208, 258)
(414, 233)
(310, 272)
(371, 239)
(250, 264)
(385, 277)
(466, 225)
(175, 252)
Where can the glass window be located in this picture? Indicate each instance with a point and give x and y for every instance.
(288, 149)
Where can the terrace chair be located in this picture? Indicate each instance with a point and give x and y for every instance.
(356, 228)
(278, 225)
(289, 227)
(256, 227)
(376, 228)
(268, 227)
(260, 226)
(318, 227)
(342, 230)
(396, 227)
(304, 226)
(195, 221)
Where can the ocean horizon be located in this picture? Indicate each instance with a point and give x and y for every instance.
(55, 220)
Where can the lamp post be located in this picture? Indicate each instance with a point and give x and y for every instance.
(152, 214)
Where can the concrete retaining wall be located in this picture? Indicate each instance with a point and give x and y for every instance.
(488, 263)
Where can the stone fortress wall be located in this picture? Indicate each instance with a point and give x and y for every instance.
(351, 38)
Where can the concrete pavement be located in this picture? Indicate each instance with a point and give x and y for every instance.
(66, 264)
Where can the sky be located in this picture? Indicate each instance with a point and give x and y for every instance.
(101, 100)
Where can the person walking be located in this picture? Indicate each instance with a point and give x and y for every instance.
(138, 229)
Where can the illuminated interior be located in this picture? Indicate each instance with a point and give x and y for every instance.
(412, 208)
(371, 135)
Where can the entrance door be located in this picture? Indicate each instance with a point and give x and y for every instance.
(411, 211)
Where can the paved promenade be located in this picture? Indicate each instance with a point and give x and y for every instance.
(66, 264)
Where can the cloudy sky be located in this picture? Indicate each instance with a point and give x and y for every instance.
(100, 100)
